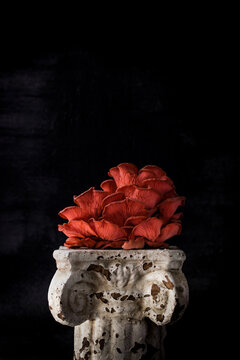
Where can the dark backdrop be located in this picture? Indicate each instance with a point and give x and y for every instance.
(68, 112)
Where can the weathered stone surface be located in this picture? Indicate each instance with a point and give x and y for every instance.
(107, 295)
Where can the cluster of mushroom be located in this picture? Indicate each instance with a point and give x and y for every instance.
(135, 209)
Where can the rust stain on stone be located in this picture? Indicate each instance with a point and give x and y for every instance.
(61, 316)
(160, 317)
(147, 295)
(85, 343)
(100, 297)
(137, 347)
(155, 290)
(123, 298)
(168, 283)
(119, 350)
(147, 265)
(131, 297)
(100, 269)
(105, 301)
(116, 295)
(101, 343)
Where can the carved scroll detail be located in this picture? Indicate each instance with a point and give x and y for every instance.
(129, 289)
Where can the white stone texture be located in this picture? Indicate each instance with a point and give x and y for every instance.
(117, 300)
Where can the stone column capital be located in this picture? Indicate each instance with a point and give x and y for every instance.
(125, 284)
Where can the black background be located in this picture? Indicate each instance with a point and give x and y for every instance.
(71, 107)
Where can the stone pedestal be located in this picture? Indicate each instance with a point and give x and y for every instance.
(117, 300)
